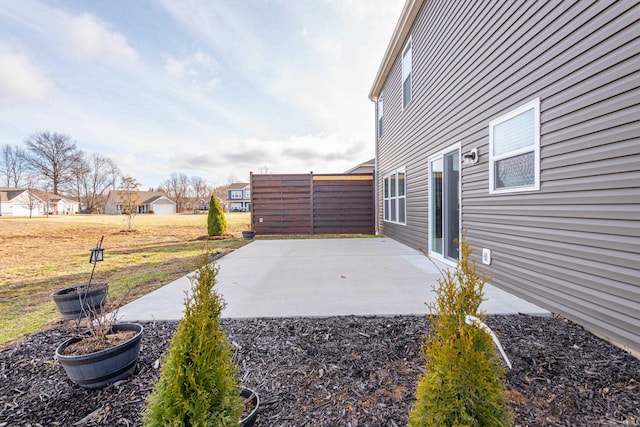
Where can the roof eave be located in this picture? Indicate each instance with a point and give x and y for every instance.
(398, 38)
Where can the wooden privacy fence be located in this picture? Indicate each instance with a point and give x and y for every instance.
(312, 204)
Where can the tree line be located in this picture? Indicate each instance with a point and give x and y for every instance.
(52, 162)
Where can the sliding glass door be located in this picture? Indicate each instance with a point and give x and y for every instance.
(444, 203)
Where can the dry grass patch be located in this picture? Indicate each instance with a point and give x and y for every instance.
(41, 255)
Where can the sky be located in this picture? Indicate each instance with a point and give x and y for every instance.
(208, 88)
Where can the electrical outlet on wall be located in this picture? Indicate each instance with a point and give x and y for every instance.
(486, 256)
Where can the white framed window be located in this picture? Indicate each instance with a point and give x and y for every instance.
(247, 194)
(394, 197)
(406, 74)
(380, 115)
(514, 150)
(236, 194)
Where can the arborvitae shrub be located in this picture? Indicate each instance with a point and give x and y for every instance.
(464, 384)
(216, 222)
(198, 385)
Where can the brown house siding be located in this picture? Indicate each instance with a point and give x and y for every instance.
(574, 246)
(312, 204)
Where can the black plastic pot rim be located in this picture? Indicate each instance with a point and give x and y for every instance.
(81, 357)
(246, 393)
(94, 287)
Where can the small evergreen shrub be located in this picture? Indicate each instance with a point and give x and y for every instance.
(216, 222)
(198, 383)
(464, 384)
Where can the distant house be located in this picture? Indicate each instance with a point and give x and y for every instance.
(196, 204)
(239, 197)
(20, 202)
(28, 202)
(518, 122)
(146, 202)
(366, 167)
(58, 205)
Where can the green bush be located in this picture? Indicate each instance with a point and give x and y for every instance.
(198, 383)
(216, 222)
(464, 383)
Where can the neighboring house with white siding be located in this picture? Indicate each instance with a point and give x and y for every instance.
(519, 122)
(29, 202)
(58, 205)
(20, 202)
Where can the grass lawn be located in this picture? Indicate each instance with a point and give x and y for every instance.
(40, 255)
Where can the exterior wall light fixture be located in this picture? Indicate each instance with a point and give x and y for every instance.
(471, 157)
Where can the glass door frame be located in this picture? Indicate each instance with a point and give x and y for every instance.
(431, 211)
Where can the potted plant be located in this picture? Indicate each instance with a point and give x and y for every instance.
(248, 234)
(198, 382)
(105, 352)
(94, 360)
(77, 302)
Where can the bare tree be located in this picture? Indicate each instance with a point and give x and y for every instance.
(232, 179)
(264, 170)
(32, 200)
(114, 174)
(13, 165)
(95, 180)
(177, 189)
(79, 169)
(54, 156)
(221, 194)
(130, 198)
(200, 189)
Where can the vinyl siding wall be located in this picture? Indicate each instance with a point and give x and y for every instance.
(574, 246)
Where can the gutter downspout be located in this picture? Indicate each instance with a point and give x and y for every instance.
(376, 221)
(375, 174)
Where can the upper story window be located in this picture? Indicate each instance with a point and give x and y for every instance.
(380, 114)
(236, 194)
(247, 194)
(406, 74)
(514, 150)
(394, 196)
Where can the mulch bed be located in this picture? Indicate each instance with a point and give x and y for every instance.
(340, 371)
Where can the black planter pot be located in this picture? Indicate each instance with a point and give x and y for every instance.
(70, 301)
(104, 367)
(252, 397)
(248, 234)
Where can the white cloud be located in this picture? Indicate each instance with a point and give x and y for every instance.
(321, 60)
(291, 81)
(175, 68)
(20, 79)
(92, 37)
(199, 68)
(295, 154)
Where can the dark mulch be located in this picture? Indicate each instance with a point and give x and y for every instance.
(340, 371)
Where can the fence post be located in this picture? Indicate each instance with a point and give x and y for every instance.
(312, 210)
(251, 206)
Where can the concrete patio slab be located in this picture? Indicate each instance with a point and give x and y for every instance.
(319, 277)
